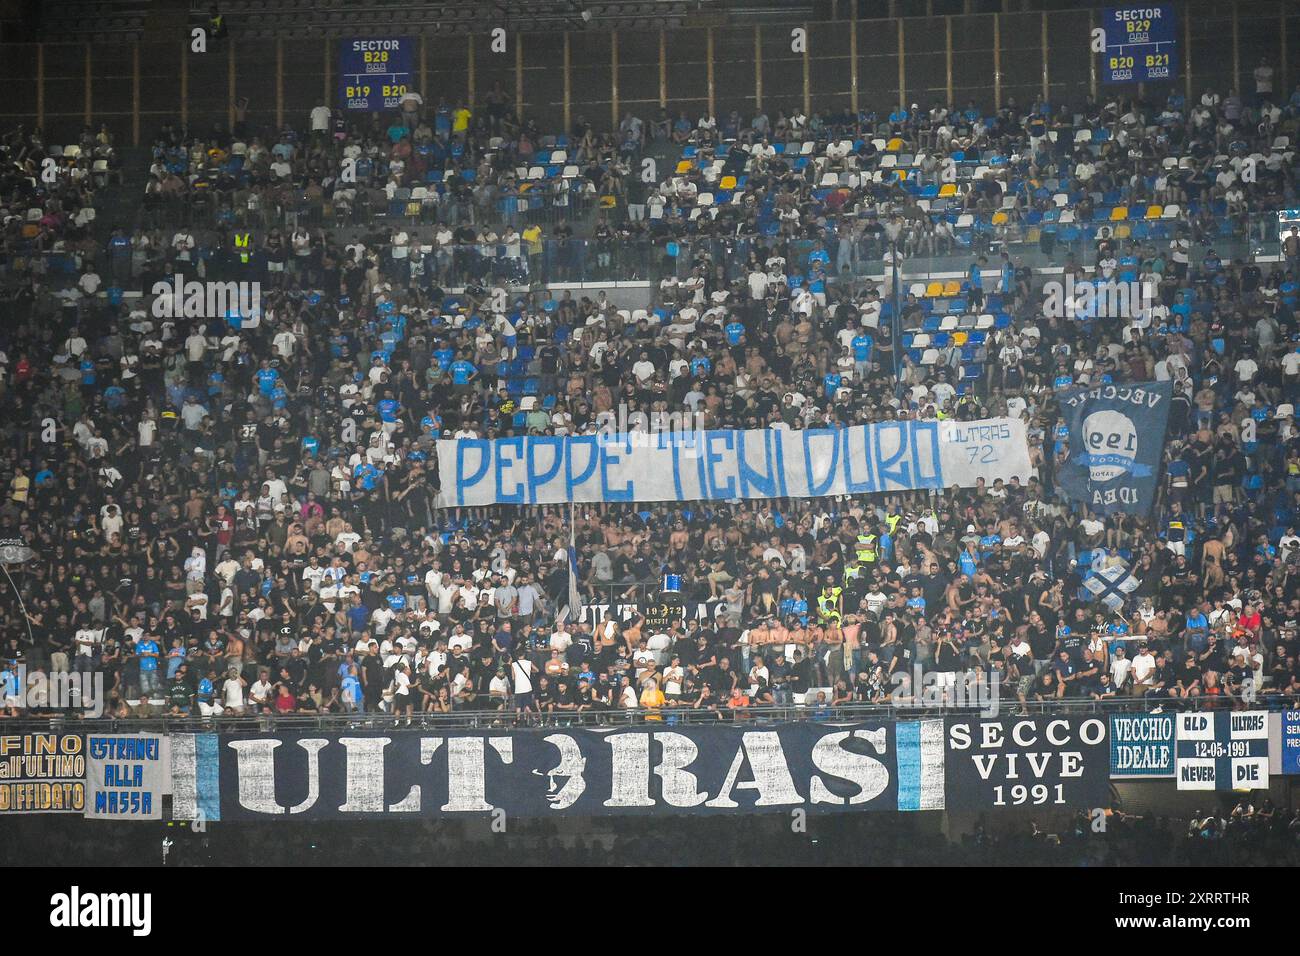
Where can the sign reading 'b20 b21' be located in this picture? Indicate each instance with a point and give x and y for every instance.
(925, 764)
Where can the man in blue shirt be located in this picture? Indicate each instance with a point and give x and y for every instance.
(862, 346)
(146, 650)
(463, 373)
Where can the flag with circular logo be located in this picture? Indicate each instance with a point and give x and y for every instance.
(1116, 440)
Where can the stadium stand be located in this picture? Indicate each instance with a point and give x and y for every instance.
(235, 513)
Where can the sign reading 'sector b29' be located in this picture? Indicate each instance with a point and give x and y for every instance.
(1141, 44)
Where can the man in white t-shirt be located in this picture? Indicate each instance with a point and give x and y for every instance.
(1144, 669)
(260, 693)
(320, 118)
(523, 673)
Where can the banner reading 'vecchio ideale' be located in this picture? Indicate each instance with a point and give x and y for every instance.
(729, 465)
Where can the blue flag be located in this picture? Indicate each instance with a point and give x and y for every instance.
(1117, 439)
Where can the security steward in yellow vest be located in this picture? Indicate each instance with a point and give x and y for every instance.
(868, 548)
(828, 604)
(244, 247)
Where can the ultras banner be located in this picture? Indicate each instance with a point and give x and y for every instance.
(1117, 437)
(1027, 761)
(763, 463)
(722, 769)
(925, 764)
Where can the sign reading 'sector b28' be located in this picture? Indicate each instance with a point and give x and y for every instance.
(374, 74)
(731, 464)
(1141, 44)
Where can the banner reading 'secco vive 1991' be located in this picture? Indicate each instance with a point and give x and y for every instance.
(731, 464)
(1117, 437)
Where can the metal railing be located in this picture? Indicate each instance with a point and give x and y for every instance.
(509, 719)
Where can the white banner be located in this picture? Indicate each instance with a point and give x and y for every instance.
(731, 465)
(126, 776)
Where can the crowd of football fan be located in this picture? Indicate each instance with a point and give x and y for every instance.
(235, 514)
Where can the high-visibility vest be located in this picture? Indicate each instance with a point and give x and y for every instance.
(827, 604)
(892, 521)
(244, 243)
(851, 571)
(866, 548)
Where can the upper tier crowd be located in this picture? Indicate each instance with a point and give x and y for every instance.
(234, 513)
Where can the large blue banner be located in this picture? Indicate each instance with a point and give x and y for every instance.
(1117, 438)
(730, 465)
(720, 769)
(1141, 44)
(374, 74)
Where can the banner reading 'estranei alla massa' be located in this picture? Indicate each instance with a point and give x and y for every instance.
(1117, 438)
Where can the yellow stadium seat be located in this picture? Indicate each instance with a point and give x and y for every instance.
(894, 145)
(1034, 234)
(1119, 213)
(934, 290)
(999, 218)
(952, 287)
(948, 189)
(1155, 212)
(1123, 231)
(727, 182)
(960, 338)
(684, 167)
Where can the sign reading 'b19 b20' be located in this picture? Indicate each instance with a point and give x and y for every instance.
(374, 74)
(731, 464)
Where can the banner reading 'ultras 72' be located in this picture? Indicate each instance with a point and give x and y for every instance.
(731, 464)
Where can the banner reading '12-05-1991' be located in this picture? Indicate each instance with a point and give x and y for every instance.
(731, 464)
